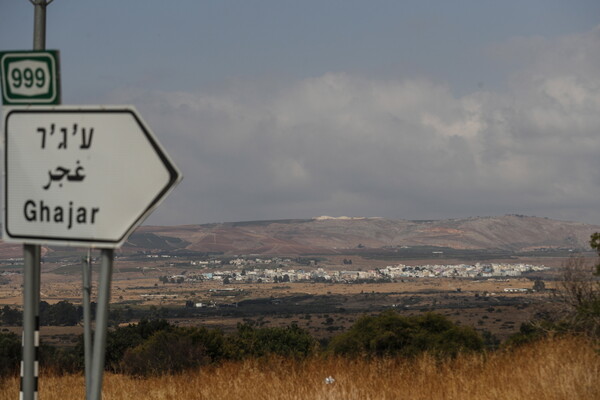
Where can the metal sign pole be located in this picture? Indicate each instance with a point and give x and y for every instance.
(97, 371)
(39, 18)
(87, 321)
(31, 290)
(32, 261)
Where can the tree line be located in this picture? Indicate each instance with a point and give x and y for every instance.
(154, 347)
(62, 313)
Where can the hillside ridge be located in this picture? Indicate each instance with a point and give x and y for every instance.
(330, 235)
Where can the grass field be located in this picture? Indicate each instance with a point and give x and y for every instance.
(551, 370)
(342, 302)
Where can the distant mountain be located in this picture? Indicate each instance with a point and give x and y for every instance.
(326, 235)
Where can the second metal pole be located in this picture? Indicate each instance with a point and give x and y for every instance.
(97, 372)
(31, 335)
(87, 322)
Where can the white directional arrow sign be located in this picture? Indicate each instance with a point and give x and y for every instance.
(81, 176)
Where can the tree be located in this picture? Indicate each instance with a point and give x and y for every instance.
(132, 335)
(10, 316)
(539, 285)
(62, 313)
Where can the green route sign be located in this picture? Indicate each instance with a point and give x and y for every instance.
(30, 77)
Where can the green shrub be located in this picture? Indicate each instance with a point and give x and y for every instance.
(166, 351)
(389, 334)
(10, 354)
(61, 360)
(538, 329)
(121, 339)
(212, 340)
(290, 341)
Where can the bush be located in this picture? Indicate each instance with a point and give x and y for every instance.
(62, 360)
(166, 351)
(390, 334)
(121, 339)
(10, 354)
(212, 340)
(291, 341)
(155, 347)
(170, 349)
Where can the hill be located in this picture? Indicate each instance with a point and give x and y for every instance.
(327, 235)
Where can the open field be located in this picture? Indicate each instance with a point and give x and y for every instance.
(565, 369)
(324, 309)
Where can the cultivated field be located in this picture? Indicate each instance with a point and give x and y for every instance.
(565, 369)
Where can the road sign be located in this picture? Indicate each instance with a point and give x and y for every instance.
(81, 176)
(30, 77)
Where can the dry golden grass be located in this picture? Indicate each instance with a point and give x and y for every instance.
(554, 369)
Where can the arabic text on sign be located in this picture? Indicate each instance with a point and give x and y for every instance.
(59, 173)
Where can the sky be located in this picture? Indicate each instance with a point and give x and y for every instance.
(281, 109)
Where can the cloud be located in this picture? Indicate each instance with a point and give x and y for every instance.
(343, 144)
